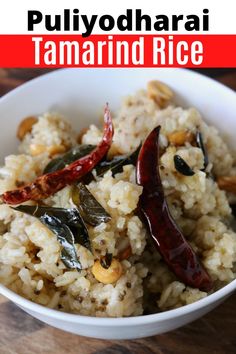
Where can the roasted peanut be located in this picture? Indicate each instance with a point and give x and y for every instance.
(107, 276)
(180, 137)
(227, 183)
(159, 92)
(25, 127)
(37, 149)
(56, 149)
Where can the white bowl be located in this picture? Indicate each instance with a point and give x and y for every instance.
(85, 91)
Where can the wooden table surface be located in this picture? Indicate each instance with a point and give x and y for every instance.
(215, 333)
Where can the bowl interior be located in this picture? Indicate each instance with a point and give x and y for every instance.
(80, 94)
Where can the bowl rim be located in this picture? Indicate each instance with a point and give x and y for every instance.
(120, 321)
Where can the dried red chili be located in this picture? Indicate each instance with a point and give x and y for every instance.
(168, 239)
(50, 183)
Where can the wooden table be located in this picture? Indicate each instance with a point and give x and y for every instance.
(19, 333)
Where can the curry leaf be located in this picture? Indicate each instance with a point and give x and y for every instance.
(201, 145)
(74, 154)
(66, 239)
(91, 210)
(81, 235)
(117, 163)
(70, 217)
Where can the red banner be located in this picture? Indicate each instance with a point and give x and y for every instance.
(118, 51)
